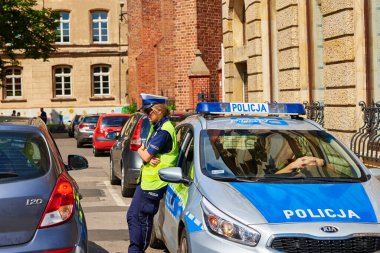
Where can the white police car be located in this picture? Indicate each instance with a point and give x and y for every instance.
(271, 183)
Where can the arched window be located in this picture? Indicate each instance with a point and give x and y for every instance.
(13, 84)
(101, 80)
(62, 81)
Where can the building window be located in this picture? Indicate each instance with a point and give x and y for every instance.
(101, 80)
(243, 79)
(13, 83)
(99, 26)
(273, 47)
(318, 86)
(239, 23)
(62, 81)
(375, 50)
(63, 28)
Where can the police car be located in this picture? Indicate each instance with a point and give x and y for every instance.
(255, 177)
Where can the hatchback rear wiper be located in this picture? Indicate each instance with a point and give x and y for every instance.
(8, 174)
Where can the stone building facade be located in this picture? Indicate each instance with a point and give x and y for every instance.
(304, 50)
(175, 50)
(88, 73)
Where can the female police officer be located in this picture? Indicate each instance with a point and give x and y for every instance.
(160, 151)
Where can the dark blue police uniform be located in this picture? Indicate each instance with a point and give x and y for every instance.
(145, 204)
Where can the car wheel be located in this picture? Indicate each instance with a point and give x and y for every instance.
(156, 243)
(95, 151)
(183, 243)
(79, 144)
(113, 179)
(126, 189)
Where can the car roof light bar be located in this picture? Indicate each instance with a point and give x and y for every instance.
(251, 108)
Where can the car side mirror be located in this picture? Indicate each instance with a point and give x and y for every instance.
(173, 175)
(113, 135)
(77, 162)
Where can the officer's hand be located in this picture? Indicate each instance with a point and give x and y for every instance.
(154, 161)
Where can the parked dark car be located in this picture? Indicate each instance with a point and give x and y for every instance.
(85, 129)
(73, 123)
(40, 204)
(107, 123)
(125, 162)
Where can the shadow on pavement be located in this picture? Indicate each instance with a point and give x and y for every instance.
(94, 248)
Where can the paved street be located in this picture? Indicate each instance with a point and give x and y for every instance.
(104, 207)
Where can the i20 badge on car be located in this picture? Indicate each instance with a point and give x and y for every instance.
(329, 229)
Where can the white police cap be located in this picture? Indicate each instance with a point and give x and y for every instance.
(148, 100)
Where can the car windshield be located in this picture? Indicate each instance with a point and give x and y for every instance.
(114, 121)
(275, 155)
(92, 119)
(23, 155)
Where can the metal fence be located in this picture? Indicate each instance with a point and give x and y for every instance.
(365, 143)
(315, 111)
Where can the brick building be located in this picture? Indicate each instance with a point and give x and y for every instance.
(313, 50)
(175, 50)
(88, 72)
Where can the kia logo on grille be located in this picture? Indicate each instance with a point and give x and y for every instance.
(329, 229)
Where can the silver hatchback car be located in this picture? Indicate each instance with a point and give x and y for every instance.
(40, 204)
(84, 130)
(275, 182)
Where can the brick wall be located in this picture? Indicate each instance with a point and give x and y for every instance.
(209, 40)
(163, 36)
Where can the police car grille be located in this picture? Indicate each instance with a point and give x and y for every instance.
(363, 244)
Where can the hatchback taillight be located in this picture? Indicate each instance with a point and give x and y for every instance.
(61, 204)
(65, 250)
(136, 140)
(83, 125)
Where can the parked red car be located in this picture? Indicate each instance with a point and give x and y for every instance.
(107, 123)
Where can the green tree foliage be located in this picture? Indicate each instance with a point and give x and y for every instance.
(132, 108)
(25, 31)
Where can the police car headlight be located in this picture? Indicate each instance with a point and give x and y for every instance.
(224, 226)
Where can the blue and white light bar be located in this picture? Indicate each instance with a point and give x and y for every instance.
(251, 108)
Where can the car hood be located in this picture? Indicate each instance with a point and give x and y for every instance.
(262, 203)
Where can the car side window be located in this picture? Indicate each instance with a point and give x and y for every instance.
(181, 134)
(128, 125)
(186, 149)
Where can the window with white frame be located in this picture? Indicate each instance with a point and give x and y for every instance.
(318, 89)
(99, 26)
(63, 28)
(101, 80)
(62, 81)
(13, 83)
(375, 50)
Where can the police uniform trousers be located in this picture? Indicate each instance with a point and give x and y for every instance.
(140, 215)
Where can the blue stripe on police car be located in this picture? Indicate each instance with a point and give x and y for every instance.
(280, 203)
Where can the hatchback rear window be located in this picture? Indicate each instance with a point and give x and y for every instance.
(93, 120)
(114, 121)
(22, 156)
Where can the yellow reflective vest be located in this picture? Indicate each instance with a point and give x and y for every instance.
(150, 179)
